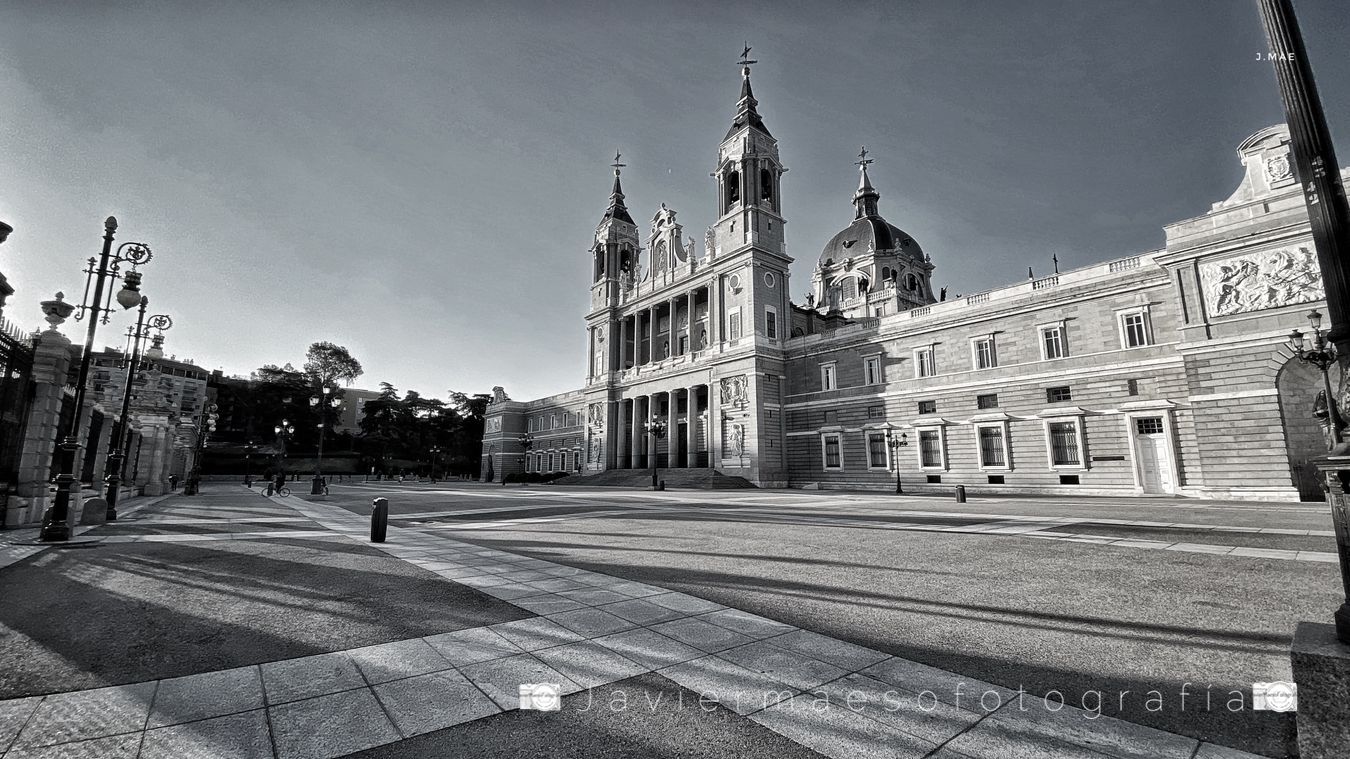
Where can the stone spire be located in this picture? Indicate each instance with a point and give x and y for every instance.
(617, 210)
(746, 113)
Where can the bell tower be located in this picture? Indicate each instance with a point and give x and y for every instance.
(748, 175)
(614, 262)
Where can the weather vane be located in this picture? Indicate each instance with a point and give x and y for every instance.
(745, 57)
(863, 160)
(616, 164)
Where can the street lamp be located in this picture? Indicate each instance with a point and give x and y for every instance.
(657, 429)
(284, 432)
(896, 443)
(54, 527)
(116, 457)
(1321, 354)
(205, 426)
(249, 448)
(322, 403)
(436, 451)
(526, 442)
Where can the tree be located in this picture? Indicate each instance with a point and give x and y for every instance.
(328, 364)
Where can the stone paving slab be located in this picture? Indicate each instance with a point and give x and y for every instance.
(331, 704)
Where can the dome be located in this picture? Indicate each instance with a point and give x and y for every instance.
(868, 233)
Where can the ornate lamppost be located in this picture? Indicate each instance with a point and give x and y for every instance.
(322, 402)
(1321, 354)
(435, 452)
(284, 431)
(249, 448)
(205, 426)
(896, 443)
(107, 265)
(526, 443)
(657, 429)
(116, 457)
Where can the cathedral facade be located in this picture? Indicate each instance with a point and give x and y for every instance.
(1163, 372)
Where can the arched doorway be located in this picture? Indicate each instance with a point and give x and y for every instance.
(1298, 384)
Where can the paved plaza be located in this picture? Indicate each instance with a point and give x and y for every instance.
(752, 623)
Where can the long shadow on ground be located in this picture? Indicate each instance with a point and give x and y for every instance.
(126, 613)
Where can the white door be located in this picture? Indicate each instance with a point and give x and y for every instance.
(1155, 474)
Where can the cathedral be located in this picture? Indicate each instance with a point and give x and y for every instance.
(1164, 372)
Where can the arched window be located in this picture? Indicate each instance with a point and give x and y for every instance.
(766, 185)
(732, 180)
(911, 282)
(850, 288)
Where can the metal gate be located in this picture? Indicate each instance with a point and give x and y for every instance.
(16, 395)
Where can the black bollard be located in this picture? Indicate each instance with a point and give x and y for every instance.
(379, 519)
(960, 493)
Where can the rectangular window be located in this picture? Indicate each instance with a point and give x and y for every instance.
(989, 400)
(1134, 329)
(827, 377)
(550, 463)
(876, 412)
(927, 407)
(1052, 343)
(993, 452)
(1058, 394)
(1151, 425)
(930, 449)
(984, 355)
(734, 324)
(833, 459)
(770, 323)
(876, 450)
(872, 369)
(924, 365)
(1064, 444)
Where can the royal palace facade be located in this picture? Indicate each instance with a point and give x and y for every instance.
(1162, 372)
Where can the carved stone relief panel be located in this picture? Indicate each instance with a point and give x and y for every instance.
(734, 390)
(1257, 281)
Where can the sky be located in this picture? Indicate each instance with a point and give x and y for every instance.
(420, 181)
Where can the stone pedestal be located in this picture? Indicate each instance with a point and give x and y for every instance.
(51, 363)
(1322, 671)
(94, 511)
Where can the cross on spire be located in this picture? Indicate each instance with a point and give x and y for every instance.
(863, 160)
(616, 165)
(745, 58)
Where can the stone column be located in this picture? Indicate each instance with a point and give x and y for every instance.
(693, 312)
(651, 336)
(622, 347)
(51, 364)
(635, 440)
(620, 426)
(674, 327)
(715, 313)
(100, 447)
(154, 456)
(691, 432)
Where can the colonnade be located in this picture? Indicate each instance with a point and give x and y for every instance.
(687, 441)
(690, 328)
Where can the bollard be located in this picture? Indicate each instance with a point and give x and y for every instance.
(269, 488)
(379, 519)
(960, 493)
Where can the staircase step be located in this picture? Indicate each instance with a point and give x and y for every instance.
(702, 479)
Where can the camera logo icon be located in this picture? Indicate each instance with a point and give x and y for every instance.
(1277, 696)
(543, 697)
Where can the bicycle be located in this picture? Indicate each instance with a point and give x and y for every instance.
(284, 492)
